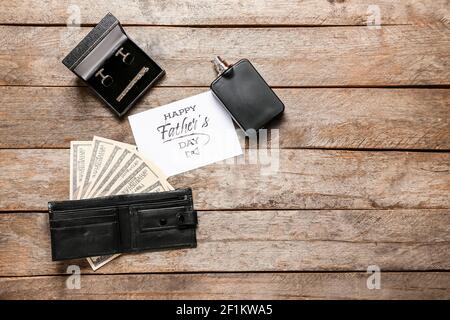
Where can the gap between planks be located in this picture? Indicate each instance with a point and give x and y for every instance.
(399, 285)
(212, 26)
(444, 271)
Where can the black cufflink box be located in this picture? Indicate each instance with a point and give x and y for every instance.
(111, 64)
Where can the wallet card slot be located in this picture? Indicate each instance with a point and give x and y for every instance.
(160, 218)
(167, 238)
(81, 221)
(87, 216)
(84, 241)
(163, 204)
(72, 214)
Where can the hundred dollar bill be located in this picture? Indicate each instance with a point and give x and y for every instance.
(133, 176)
(114, 156)
(129, 164)
(121, 158)
(80, 152)
(101, 150)
(100, 261)
(158, 186)
(143, 176)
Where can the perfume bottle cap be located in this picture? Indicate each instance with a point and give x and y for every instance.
(220, 65)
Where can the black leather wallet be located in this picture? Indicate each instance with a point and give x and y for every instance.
(120, 224)
(244, 93)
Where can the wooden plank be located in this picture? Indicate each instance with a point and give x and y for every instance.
(314, 118)
(345, 56)
(394, 285)
(284, 179)
(228, 12)
(324, 240)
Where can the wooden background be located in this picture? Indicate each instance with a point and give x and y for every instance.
(364, 162)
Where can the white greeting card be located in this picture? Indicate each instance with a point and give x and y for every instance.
(186, 134)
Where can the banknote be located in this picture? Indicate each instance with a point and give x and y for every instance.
(121, 172)
(115, 155)
(100, 261)
(138, 179)
(80, 152)
(102, 152)
(104, 167)
(107, 176)
(99, 153)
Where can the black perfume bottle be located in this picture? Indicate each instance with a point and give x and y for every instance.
(113, 65)
(243, 92)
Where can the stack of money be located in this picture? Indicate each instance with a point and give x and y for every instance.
(104, 167)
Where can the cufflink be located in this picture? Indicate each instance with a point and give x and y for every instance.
(111, 64)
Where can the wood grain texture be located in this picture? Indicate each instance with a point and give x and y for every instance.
(227, 12)
(268, 230)
(344, 56)
(284, 179)
(324, 240)
(394, 285)
(314, 118)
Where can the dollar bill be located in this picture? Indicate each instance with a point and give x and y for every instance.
(113, 170)
(105, 167)
(135, 174)
(100, 152)
(100, 261)
(80, 153)
(113, 157)
(141, 177)
(123, 169)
